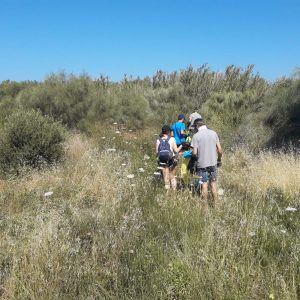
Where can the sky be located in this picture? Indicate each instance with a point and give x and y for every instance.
(139, 37)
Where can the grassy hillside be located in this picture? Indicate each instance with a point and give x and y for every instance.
(102, 235)
(97, 224)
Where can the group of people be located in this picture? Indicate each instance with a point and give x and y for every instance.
(201, 142)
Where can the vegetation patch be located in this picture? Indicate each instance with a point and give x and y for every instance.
(29, 139)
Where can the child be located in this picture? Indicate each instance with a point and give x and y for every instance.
(166, 149)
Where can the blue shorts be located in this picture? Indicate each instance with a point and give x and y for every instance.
(208, 174)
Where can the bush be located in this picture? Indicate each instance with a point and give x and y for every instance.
(227, 113)
(63, 97)
(281, 113)
(30, 139)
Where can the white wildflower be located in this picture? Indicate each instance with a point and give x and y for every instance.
(117, 132)
(115, 123)
(131, 251)
(111, 150)
(289, 208)
(221, 192)
(48, 194)
(251, 233)
(103, 138)
(130, 176)
(133, 184)
(156, 174)
(123, 164)
(142, 170)
(155, 134)
(130, 130)
(283, 231)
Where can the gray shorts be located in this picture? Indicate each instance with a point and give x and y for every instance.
(208, 174)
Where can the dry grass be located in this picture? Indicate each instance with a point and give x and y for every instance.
(41, 235)
(98, 237)
(258, 174)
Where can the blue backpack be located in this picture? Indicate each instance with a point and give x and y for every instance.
(164, 150)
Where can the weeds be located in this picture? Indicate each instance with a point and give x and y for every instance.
(103, 235)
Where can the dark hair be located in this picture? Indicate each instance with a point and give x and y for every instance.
(198, 123)
(165, 129)
(181, 117)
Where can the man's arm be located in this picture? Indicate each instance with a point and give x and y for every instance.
(189, 122)
(193, 146)
(176, 149)
(219, 151)
(195, 151)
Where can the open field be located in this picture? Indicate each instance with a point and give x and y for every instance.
(101, 235)
(82, 215)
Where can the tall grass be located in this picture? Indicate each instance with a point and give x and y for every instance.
(259, 174)
(101, 235)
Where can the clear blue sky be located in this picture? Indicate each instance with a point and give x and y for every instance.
(139, 37)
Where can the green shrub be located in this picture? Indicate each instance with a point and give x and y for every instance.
(281, 113)
(30, 139)
(63, 97)
(227, 112)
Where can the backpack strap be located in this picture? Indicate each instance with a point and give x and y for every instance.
(162, 140)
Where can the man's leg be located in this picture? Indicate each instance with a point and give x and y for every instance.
(214, 190)
(204, 194)
(203, 174)
(173, 179)
(214, 186)
(166, 178)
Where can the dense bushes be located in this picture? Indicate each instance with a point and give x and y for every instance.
(281, 112)
(30, 139)
(63, 97)
(228, 113)
(78, 100)
(236, 102)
